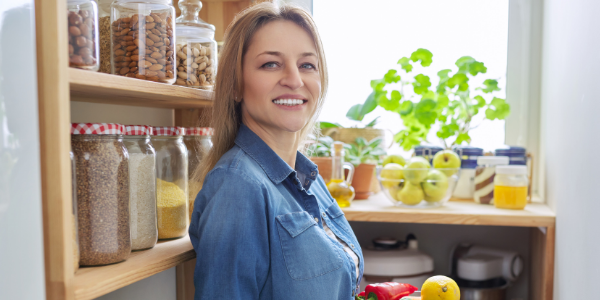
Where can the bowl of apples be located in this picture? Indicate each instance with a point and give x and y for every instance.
(417, 184)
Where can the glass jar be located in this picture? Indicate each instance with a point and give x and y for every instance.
(196, 48)
(484, 177)
(142, 39)
(104, 33)
(83, 34)
(102, 171)
(510, 187)
(340, 189)
(171, 182)
(142, 186)
(198, 142)
(75, 241)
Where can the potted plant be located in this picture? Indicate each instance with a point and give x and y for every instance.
(364, 156)
(348, 135)
(450, 106)
(319, 153)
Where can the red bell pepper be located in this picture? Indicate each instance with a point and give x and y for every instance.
(387, 291)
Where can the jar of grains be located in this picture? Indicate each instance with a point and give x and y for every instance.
(171, 182)
(104, 30)
(142, 186)
(102, 170)
(196, 48)
(143, 39)
(75, 241)
(198, 142)
(83, 34)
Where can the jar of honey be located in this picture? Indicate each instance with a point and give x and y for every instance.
(510, 187)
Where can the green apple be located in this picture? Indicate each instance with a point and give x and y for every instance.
(446, 159)
(416, 169)
(411, 194)
(393, 172)
(435, 186)
(394, 191)
(394, 158)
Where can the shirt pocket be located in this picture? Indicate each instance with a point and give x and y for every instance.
(307, 251)
(336, 214)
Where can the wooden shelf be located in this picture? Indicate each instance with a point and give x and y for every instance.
(93, 282)
(379, 209)
(87, 86)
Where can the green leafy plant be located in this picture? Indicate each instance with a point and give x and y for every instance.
(321, 147)
(452, 104)
(364, 152)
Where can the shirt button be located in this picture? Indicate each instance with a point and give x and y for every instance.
(352, 245)
(313, 173)
(317, 220)
(306, 182)
(323, 215)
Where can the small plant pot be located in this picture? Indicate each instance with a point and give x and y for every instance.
(363, 175)
(324, 165)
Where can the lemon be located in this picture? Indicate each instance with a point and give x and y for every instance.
(440, 288)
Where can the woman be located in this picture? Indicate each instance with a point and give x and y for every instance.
(264, 225)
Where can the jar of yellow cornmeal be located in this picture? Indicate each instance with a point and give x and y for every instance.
(510, 187)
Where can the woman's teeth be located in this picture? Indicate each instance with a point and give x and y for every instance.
(288, 102)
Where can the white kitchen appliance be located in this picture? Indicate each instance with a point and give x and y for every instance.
(484, 273)
(391, 260)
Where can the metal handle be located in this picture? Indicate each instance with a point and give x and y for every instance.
(350, 168)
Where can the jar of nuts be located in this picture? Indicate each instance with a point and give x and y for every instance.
(83, 34)
(143, 39)
(196, 48)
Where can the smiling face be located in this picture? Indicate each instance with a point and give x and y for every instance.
(281, 78)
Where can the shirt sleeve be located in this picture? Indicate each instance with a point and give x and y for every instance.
(229, 232)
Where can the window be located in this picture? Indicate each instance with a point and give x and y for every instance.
(363, 39)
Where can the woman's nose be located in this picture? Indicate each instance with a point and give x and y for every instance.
(291, 78)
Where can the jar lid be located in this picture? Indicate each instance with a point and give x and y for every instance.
(172, 131)
(511, 170)
(511, 150)
(138, 130)
(492, 160)
(97, 128)
(204, 131)
(468, 150)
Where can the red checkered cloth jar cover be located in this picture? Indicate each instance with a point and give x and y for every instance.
(138, 130)
(205, 131)
(172, 131)
(97, 128)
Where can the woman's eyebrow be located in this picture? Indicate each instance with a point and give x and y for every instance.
(277, 53)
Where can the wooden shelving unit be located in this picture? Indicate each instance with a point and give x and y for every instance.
(93, 282)
(379, 209)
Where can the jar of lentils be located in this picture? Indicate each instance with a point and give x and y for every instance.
(198, 142)
(142, 34)
(102, 172)
(171, 182)
(196, 48)
(83, 34)
(142, 186)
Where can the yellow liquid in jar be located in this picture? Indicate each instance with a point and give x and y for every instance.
(341, 192)
(511, 197)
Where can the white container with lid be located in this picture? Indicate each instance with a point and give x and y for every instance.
(407, 265)
(484, 177)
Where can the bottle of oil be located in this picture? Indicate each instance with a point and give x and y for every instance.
(339, 188)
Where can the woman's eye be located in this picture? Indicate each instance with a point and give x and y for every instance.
(308, 66)
(269, 65)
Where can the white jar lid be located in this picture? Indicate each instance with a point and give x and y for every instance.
(492, 160)
(511, 170)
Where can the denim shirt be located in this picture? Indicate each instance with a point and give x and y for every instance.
(257, 228)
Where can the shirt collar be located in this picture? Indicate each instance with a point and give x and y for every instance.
(276, 168)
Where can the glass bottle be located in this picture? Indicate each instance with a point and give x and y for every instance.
(510, 187)
(83, 34)
(104, 32)
(171, 182)
(196, 48)
(340, 189)
(198, 142)
(74, 211)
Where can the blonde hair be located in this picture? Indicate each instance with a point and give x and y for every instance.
(226, 113)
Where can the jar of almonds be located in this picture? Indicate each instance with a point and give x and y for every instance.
(196, 48)
(143, 39)
(82, 18)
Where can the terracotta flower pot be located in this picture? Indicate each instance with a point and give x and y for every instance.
(363, 175)
(324, 165)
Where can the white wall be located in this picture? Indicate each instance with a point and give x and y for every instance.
(21, 235)
(571, 141)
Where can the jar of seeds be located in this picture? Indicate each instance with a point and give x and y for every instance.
(104, 30)
(142, 186)
(196, 48)
(198, 142)
(83, 34)
(143, 39)
(102, 171)
(171, 182)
